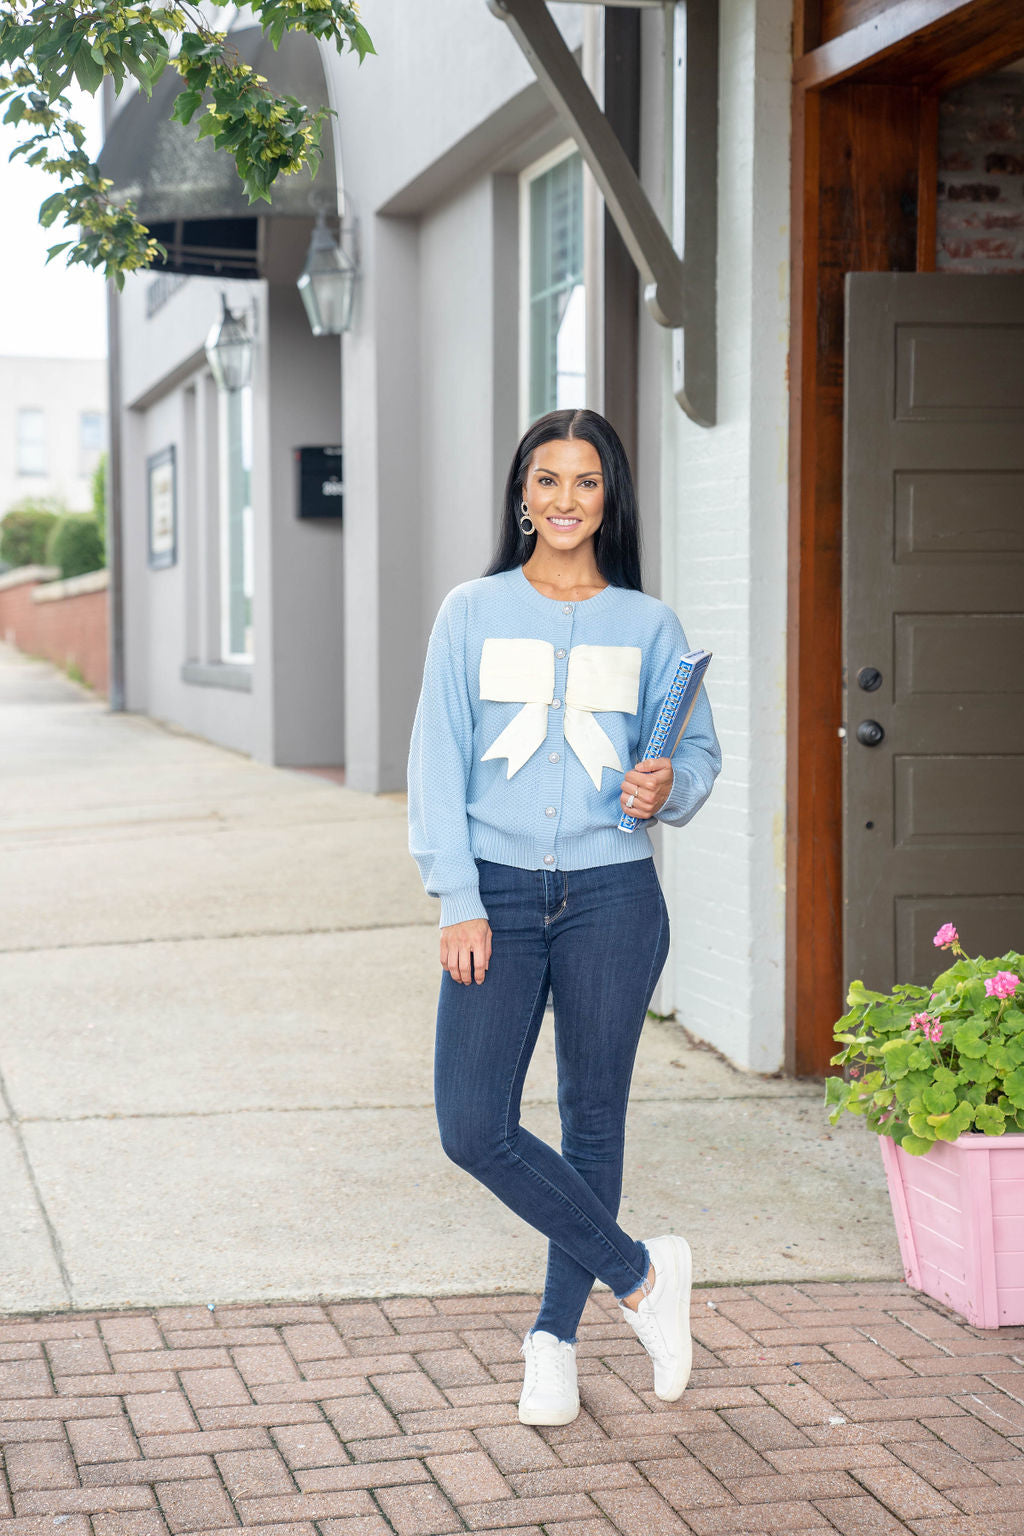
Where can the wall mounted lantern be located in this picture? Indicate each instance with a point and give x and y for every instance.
(328, 280)
(229, 348)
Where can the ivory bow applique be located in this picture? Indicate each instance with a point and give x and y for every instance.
(600, 678)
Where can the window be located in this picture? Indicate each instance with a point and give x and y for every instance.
(31, 441)
(236, 524)
(90, 440)
(555, 312)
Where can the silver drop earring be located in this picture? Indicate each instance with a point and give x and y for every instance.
(526, 521)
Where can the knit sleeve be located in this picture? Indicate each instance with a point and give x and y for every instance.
(440, 756)
(697, 760)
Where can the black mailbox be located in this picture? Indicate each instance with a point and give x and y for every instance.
(321, 486)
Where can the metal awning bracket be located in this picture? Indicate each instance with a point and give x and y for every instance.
(678, 269)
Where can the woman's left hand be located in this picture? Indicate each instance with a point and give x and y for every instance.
(650, 783)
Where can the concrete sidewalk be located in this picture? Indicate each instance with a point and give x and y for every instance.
(216, 1009)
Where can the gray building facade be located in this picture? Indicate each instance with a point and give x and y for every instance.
(492, 286)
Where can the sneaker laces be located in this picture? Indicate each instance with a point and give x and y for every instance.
(648, 1330)
(551, 1362)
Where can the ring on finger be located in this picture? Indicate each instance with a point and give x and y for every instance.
(630, 800)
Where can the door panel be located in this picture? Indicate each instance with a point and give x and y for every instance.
(933, 600)
(951, 514)
(959, 371)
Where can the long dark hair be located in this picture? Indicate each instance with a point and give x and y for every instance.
(617, 541)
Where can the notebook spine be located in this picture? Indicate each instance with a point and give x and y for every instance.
(662, 728)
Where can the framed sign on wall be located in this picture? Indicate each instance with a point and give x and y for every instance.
(162, 501)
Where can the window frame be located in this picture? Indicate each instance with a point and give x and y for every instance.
(38, 411)
(85, 467)
(224, 514)
(531, 173)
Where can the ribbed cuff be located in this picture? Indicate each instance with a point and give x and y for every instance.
(679, 805)
(462, 905)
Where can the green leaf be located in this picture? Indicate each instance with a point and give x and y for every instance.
(55, 250)
(1004, 1056)
(88, 73)
(859, 994)
(990, 1119)
(916, 1145)
(968, 1042)
(974, 992)
(50, 207)
(939, 1101)
(897, 1055)
(1014, 1087)
(955, 1124)
(186, 104)
(977, 1071)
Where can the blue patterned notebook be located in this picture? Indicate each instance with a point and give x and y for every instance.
(675, 715)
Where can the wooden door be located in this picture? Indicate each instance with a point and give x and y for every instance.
(933, 620)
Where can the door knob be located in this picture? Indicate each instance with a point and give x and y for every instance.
(870, 733)
(869, 678)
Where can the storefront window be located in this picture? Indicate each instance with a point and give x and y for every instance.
(31, 441)
(556, 360)
(236, 524)
(90, 440)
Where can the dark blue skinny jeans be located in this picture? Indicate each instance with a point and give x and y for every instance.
(597, 939)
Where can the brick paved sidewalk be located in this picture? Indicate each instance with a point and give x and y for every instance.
(812, 1408)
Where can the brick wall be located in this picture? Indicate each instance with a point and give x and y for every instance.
(980, 223)
(62, 621)
(725, 501)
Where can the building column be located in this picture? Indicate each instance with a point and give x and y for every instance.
(724, 543)
(383, 491)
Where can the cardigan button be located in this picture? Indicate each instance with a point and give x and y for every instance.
(553, 757)
(567, 609)
(551, 810)
(549, 858)
(556, 703)
(559, 655)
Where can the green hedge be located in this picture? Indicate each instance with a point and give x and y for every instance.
(24, 533)
(99, 495)
(76, 545)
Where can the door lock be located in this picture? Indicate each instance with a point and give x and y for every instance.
(870, 733)
(869, 678)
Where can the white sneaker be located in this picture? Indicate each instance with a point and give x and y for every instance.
(662, 1320)
(550, 1394)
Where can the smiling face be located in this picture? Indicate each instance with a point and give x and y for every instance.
(564, 493)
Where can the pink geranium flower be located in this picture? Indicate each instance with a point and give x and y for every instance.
(931, 1028)
(946, 936)
(1002, 984)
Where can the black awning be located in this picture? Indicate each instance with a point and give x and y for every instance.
(188, 193)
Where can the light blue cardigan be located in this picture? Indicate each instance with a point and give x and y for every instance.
(512, 740)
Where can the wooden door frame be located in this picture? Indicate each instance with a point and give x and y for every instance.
(864, 167)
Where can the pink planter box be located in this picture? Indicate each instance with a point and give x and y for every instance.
(959, 1214)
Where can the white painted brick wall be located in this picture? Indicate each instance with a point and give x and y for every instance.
(724, 506)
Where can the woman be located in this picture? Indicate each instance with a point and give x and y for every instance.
(542, 680)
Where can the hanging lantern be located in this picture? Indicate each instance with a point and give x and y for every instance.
(328, 280)
(229, 348)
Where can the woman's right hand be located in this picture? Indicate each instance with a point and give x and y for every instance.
(466, 950)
